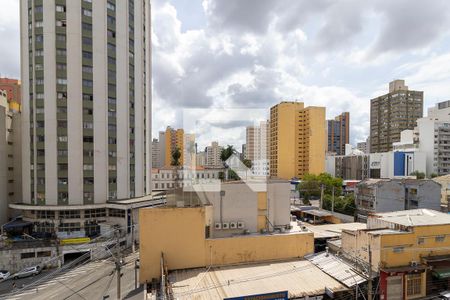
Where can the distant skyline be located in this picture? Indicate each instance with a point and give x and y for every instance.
(256, 53)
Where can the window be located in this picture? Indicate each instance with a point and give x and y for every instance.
(88, 139)
(112, 168)
(111, 20)
(88, 97)
(88, 167)
(44, 253)
(439, 238)
(88, 125)
(88, 180)
(88, 153)
(398, 249)
(60, 52)
(60, 8)
(38, 9)
(69, 227)
(63, 181)
(110, 6)
(87, 41)
(60, 66)
(62, 124)
(414, 284)
(62, 96)
(45, 214)
(39, 38)
(87, 111)
(88, 196)
(86, 26)
(88, 83)
(95, 213)
(421, 241)
(61, 23)
(119, 213)
(62, 167)
(86, 12)
(62, 153)
(69, 214)
(87, 55)
(62, 81)
(111, 33)
(27, 255)
(62, 139)
(60, 37)
(87, 69)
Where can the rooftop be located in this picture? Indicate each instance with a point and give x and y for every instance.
(299, 277)
(333, 230)
(414, 217)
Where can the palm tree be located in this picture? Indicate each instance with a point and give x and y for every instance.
(226, 153)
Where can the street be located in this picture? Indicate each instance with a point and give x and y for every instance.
(95, 280)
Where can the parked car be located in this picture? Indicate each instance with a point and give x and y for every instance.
(4, 274)
(31, 271)
(445, 295)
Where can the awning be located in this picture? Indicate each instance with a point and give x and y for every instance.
(16, 224)
(441, 273)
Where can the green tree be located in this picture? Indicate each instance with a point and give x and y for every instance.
(311, 184)
(433, 175)
(226, 153)
(176, 155)
(247, 163)
(418, 174)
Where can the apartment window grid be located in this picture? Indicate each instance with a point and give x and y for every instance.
(131, 58)
(61, 92)
(88, 97)
(112, 107)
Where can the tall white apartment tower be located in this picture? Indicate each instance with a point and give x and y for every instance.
(86, 84)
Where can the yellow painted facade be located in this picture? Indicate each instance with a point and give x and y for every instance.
(392, 250)
(174, 139)
(297, 140)
(182, 235)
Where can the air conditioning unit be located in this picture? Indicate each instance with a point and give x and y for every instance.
(218, 226)
(240, 225)
(414, 263)
(225, 225)
(233, 225)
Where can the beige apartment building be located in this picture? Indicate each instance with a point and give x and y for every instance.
(392, 113)
(297, 140)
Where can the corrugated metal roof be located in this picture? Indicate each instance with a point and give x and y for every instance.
(300, 278)
(336, 268)
(414, 217)
(332, 230)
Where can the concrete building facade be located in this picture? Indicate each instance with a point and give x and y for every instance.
(297, 140)
(10, 160)
(257, 148)
(212, 154)
(338, 133)
(385, 195)
(392, 113)
(82, 146)
(169, 178)
(12, 88)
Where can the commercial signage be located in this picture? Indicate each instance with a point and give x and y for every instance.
(75, 241)
(270, 296)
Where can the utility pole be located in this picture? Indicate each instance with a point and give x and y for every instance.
(118, 265)
(369, 284)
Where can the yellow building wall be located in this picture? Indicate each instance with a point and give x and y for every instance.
(245, 249)
(413, 251)
(174, 139)
(179, 233)
(297, 140)
(317, 140)
(284, 144)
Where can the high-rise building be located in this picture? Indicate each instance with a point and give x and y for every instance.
(297, 140)
(362, 146)
(12, 88)
(10, 160)
(339, 133)
(156, 154)
(257, 149)
(86, 94)
(212, 154)
(392, 113)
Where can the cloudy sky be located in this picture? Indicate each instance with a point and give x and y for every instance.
(225, 62)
